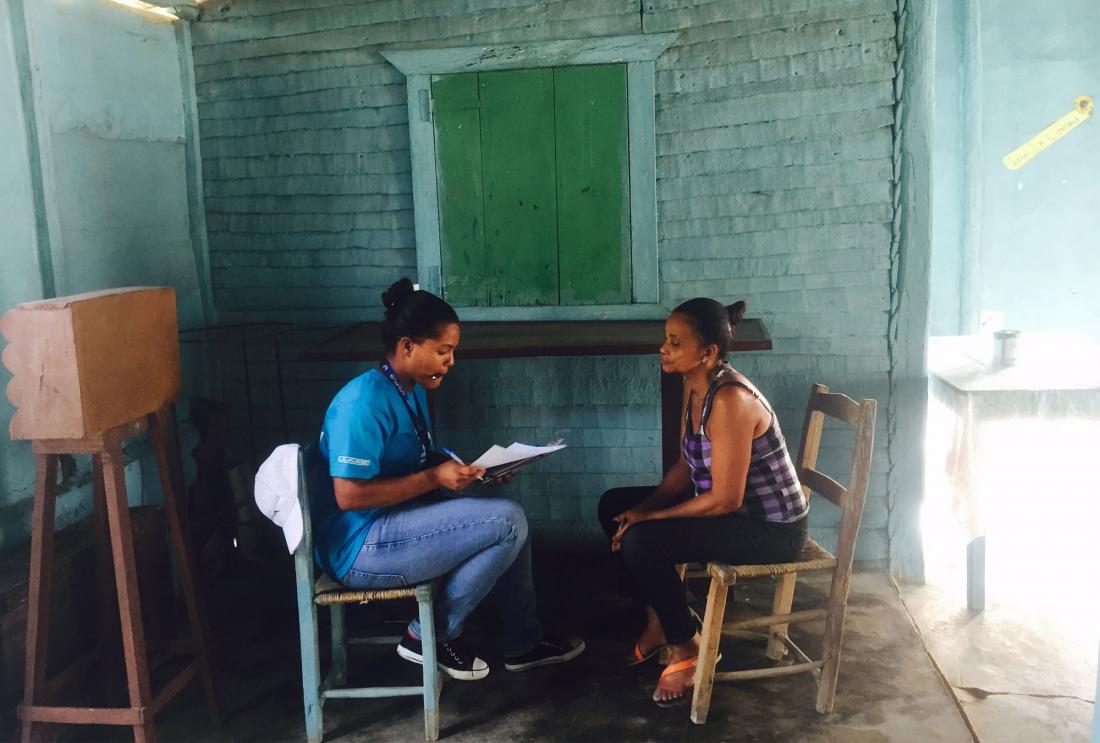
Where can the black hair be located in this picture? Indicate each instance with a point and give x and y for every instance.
(713, 321)
(413, 313)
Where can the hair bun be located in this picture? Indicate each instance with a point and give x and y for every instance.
(736, 311)
(398, 290)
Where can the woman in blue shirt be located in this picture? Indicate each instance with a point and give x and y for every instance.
(389, 521)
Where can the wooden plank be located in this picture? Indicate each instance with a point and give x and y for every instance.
(517, 146)
(460, 187)
(593, 181)
(374, 692)
(836, 405)
(780, 618)
(39, 585)
(595, 50)
(758, 673)
(496, 340)
(824, 486)
(81, 715)
(425, 197)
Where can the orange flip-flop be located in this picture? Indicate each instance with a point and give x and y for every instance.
(640, 658)
(676, 668)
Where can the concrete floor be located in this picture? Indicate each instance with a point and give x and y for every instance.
(1021, 674)
(1025, 668)
(888, 689)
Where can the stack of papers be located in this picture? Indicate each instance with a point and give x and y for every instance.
(500, 460)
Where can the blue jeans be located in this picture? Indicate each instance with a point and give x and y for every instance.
(473, 545)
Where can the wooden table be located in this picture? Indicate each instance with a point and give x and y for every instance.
(1055, 380)
(519, 339)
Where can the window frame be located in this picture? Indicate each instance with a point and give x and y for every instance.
(639, 54)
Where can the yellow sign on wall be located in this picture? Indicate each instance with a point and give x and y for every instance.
(1082, 109)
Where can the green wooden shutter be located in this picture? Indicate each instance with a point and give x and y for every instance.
(461, 210)
(534, 186)
(593, 184)
(517, 158)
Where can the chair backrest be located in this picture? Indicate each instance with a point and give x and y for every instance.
(861, 417)
(303, 556)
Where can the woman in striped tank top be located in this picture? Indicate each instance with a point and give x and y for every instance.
(733, 496)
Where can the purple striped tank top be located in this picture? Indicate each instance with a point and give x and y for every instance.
(772, 490)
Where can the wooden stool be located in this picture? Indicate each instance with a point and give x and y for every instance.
(115, 552)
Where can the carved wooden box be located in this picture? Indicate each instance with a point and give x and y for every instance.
(86, 363)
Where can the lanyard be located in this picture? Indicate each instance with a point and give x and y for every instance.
(417, 417)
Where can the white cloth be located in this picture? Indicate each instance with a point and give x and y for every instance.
(276, 493)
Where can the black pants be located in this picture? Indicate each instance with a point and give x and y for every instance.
(651, 550)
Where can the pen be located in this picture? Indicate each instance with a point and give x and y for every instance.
(452, 455)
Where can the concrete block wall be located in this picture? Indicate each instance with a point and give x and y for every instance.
(775, 176)
(94, 194)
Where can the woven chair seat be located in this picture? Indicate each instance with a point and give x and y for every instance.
(327, 592)
(812, 557)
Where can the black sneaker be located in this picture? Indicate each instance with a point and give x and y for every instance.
(452, 657)
(550, 650)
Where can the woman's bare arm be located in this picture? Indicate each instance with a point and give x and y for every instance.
(730, 428)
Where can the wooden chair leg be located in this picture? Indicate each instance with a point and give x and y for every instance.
(311, 657)
(38, 587)
(781, 604)
(708, 651)
(432, 678)
(108, 617)
(339, 645)
(163, 442)
(831, 645)
(126, 584)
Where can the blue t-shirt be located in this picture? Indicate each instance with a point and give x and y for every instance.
(367, 433)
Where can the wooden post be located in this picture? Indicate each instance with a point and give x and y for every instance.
(672, 386)
(108, 618)
(126, 583)
(39, 583)
(975, 574)
(161, 427)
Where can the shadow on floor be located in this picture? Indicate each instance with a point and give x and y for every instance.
(887, 691)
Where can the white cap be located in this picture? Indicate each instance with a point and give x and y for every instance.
(276, 493)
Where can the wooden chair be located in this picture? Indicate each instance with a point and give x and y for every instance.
(323, 591)
(861, 417)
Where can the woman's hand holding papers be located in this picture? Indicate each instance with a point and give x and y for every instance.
(454, 476)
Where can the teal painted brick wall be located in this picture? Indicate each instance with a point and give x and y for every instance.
(103, 95)
(775, 175)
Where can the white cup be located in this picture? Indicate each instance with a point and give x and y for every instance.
(1006, 345)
